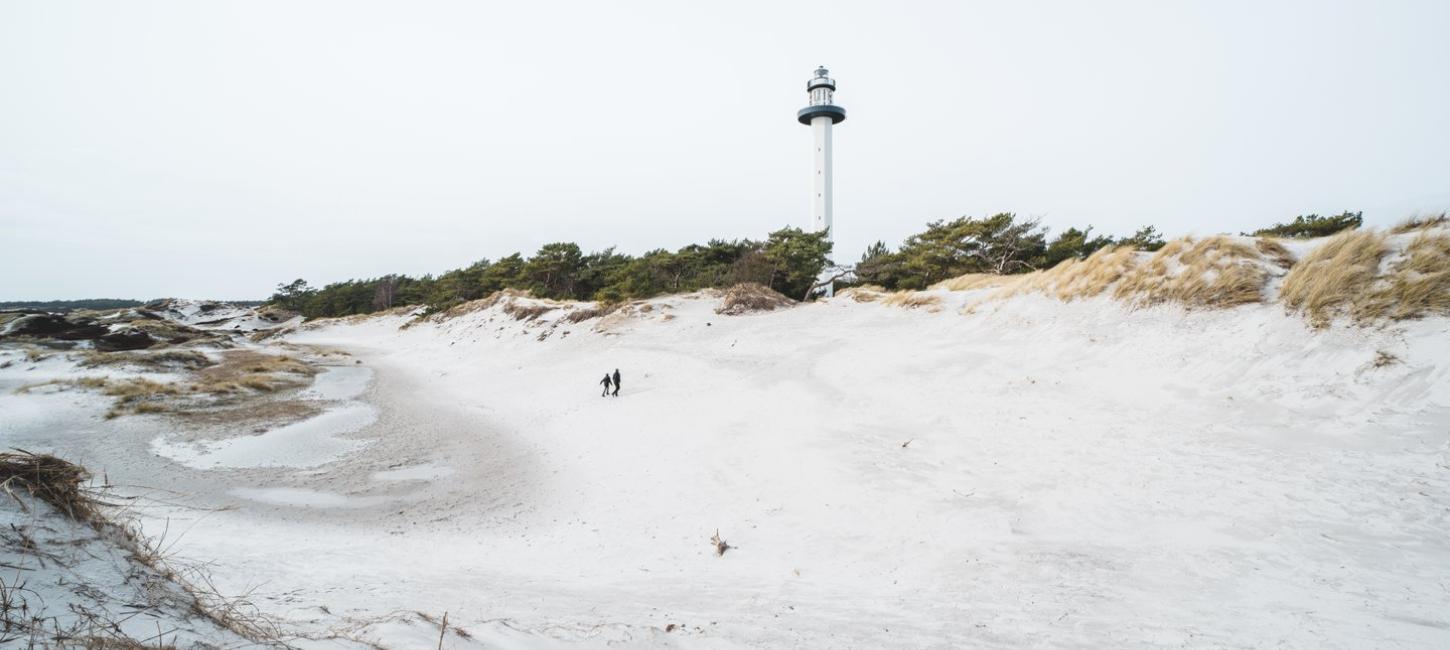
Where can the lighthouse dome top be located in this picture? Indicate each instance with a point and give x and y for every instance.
(822, 79)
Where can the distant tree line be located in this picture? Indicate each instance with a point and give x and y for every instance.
(70, 305)
(1313, 225)
(788, 260)
(999, 244)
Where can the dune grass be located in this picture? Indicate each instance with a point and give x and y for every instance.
(1211, 272)
(1275, 252)
(748, 297)
(1364, 275)
(1336, 277)
(238, 372)
(594, 310)
(911, 299)
(863, 293)
(522, 311)
(163, 360)
(1418, 284)
(68, 489)
(1074, 279)
(1420, 222)
(972, 281)
(49, 479)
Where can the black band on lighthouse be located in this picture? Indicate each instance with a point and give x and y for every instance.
(836, 113)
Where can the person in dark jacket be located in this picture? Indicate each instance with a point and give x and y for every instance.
(616, 382)
(606, 383)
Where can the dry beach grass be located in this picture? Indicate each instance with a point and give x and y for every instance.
(911, 299)
(90, 620)
(237, 374)
(749, 297)
(1337, 276)
(1364, 275)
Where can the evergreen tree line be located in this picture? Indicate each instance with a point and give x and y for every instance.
(788, 260)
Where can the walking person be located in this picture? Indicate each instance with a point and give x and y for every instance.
(606, 383)
(616, 381)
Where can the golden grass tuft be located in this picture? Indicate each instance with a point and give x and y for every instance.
(748, 297)
(133, 389)
(1336, 276)
(1213, 272)
(1418, 284)
(972, 281)
(137, 396)
(164, 360)
(911, 299)
(265, 363)
(1075, 279)
(53, 480)
(526, 312)
(239, 371)
(1275, 251)
(587, 312)
(863, 293)
(1340, 276)
(478, 305)
(1420, 222)
(242, 370)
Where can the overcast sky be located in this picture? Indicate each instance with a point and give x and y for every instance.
(211, 149)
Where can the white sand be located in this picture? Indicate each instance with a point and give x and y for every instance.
(1037, 473)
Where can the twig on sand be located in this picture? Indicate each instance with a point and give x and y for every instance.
(720, 545)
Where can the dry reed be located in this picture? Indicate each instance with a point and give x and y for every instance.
(748, 297)
(972, 281)
(1212, 272)
(1418, 285)
(1335, 276)
(911, 299)
(53, 480)
(1420, 222)
(1074, 279)
(863, 293)
(1275, 251)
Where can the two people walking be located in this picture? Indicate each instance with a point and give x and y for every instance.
(609, 381)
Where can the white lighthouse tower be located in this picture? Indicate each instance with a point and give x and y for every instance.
(821, 114)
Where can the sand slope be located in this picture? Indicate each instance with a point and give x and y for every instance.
(1036, 473)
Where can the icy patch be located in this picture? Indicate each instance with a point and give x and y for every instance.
(339, 383)
(309, 443)
(304, 498)
(424, 472)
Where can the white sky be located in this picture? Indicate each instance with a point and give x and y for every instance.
(215, 149)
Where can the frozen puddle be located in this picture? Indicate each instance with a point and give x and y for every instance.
(424, 472)
(304, 498)
(309, 443)
(339, 383)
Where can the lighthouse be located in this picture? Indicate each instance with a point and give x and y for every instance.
(820, 115)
